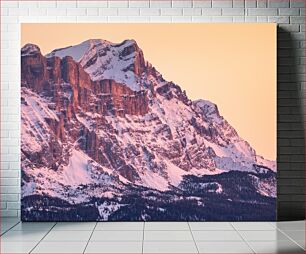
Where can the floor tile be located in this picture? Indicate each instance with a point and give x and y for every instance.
(166, 226)
(169, 247)
(297, 235)
(224, 247)
(253, 226)
(64, 226)
(17, 247)
(69, 236)
(276, 247)
(33, 226)
(9, 220)
(5, 226)
(60, 247)
(118, 226)
(107, 236)
(168, 236)
(291, 225)
(274, 235)
(216, 236)
(114, 247)
(22, 236)
(211, 226)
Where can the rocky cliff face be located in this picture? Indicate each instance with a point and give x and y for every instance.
(98, 121)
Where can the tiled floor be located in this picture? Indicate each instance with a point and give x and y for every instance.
(152, 237)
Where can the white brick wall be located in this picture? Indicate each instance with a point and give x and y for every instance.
(289, 13)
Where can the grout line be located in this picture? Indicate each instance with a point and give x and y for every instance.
(193, 237)
(143, 232)
(247, 243)
(290, 238)
(42, 238)
(10, 228)
(90, 237)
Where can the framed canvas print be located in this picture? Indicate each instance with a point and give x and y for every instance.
(148, 122)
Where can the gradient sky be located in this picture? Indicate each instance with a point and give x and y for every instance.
(232, 65)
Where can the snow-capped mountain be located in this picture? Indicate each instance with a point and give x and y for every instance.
(101, 127)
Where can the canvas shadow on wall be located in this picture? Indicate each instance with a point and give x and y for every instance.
(106, 136)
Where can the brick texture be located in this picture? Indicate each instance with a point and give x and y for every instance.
(289, 14)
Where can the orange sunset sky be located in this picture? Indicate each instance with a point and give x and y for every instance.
(232, 65)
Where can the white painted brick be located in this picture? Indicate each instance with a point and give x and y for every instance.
(4, 11)
(28, 4)
(297, 19)
(233, 12)
(29, 19)
(261, 19)
(92, 12)
(9, 173)
(92, 4)
(160, 19)
(47, 4)
(289, 11)
(14, 166)
(222, 3)
(139, 3)
(108, 11)
(46, 19)
(9, 213)
(192, 11)
(302, 11)
(297, 3)
(250, 3)
(117, 19)
(13, 205)
(9, 197)
(8, 19)
(66, 19)
(202, 3)
(278, 3)
(38, 11)
(9, 181)
(76, 12)
(160, 3)
(172, 11)
(56, 12)
(92, 19)
(10, 189)
(18, 12)
(139, 19)
(262, 12)
(302, 28)
(9, 4)
(66, 4)
(222, 19)
(279, 19)
(250, 19)
(128, 11)
(211, 11)
(262, 4)
(238, 19)
(118, 4)
(181, 3)
(201, 19)
(181, 19)
(290, 28)
(238, 3)
(150, 12)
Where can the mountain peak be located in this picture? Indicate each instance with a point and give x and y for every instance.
(29, 49)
